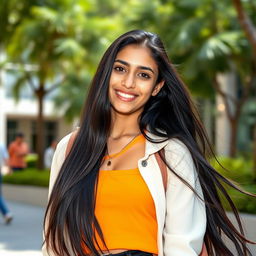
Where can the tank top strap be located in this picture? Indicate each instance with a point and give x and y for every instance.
(139, 139)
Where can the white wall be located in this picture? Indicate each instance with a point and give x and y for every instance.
(207, 116)
(64, 128)
(29, 107)
(227, 83)
(24, 112)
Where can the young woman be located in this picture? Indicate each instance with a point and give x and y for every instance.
(108, 195)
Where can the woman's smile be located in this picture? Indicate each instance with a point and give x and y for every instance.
(124, 96)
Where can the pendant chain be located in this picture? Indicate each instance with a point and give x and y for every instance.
(114, 155)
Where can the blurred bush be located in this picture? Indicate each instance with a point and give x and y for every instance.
(28, 176)
(243, 202)
(31, 160)
(240, 171)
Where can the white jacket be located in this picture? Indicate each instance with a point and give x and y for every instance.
(180, 213)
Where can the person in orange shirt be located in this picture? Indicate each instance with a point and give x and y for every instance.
(18, 150)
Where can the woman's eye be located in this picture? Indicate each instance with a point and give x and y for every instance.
(119, 69)
(144, 75)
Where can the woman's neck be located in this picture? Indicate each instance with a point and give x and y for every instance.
(124, 125)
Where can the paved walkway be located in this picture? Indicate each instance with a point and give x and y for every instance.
(23, 237)
(249, 224)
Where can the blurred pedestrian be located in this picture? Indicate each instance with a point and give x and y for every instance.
(48, 154)
(18, 150)
(3, 207)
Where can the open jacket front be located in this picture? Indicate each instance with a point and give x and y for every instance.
(180, 213)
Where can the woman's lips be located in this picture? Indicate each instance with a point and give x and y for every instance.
(127, 97)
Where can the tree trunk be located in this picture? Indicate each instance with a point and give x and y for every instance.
(233, 136)
(247, 25)
(40, 93)
(254, 153)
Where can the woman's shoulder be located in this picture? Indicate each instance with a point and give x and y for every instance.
(180, 158)
(60, 152)
(63, 143)
(58, 159)
(178, 146)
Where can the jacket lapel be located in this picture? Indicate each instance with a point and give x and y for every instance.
(151, 174)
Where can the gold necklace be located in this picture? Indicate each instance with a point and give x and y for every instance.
(116, 154)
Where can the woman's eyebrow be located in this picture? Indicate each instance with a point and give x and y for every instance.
(128, 65)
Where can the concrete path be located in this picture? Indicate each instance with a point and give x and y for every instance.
(23, 237)
(249, 224)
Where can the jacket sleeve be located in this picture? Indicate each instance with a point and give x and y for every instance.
(58, 159)
(185, 222)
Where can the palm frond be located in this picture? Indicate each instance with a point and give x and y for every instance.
(17, 87)
(44, 13)
(69, 48)
(186, 34)
(213, 48)
(71, 94)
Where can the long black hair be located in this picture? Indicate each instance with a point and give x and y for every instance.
(70, 220)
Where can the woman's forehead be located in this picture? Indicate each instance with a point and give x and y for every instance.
(137, 55)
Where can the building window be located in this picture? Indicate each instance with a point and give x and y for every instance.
(33, 136)
(12, 129)
(50, 133)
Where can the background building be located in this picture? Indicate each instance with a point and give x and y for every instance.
(20, 116)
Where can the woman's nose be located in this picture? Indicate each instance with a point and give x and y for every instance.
(129, 81)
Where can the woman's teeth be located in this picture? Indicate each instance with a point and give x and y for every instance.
(125, 95)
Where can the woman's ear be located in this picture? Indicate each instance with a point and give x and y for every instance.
(157, 88)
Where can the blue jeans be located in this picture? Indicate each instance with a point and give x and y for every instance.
(3, 207)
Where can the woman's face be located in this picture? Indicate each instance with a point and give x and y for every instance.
(133, 80)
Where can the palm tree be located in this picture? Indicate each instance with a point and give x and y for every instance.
(49, 40)
(60, 39)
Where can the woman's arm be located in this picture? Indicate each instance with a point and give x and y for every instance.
(186, 218)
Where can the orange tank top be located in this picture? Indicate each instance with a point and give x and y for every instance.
(125, 209)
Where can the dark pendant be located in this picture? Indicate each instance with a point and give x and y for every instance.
(108, 163)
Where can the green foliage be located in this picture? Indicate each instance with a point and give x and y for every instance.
(31, 160)
(29, 176)
(12, 13)
(243, 202)
(240, 171)
(61, 39)
(202, 38)
(71, 96)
